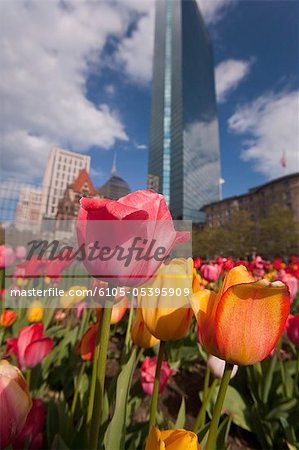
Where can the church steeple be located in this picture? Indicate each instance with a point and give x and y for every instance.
(113, 169)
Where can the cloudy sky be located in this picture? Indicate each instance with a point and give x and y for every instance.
(77, 74)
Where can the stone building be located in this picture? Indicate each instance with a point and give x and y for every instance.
(257, 201)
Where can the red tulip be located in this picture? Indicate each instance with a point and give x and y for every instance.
(228, 264)
(117, 224)
(148, 370)
(32, 267)
(197, 262)
(211, 272)
(32, 434)
(31, 346)
(292, 329)
(15, 402)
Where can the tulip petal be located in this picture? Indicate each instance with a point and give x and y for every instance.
(249, 321)
(180, 439)
(237, 275)
(153, 441)
(36, 351)
(204, 305)
(149, 201)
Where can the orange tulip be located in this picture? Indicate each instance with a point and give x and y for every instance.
(119, 309)
(86, 345)
(243, 322)
(171, 440)
(7, 317)
(140, 334)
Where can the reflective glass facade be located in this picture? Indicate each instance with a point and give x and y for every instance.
(184, 144)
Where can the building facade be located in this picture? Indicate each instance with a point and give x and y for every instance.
(62, 169)
(257, 201)
(184, 162)
(68, 206)
(28, 209)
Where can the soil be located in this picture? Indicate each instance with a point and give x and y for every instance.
(185, 383)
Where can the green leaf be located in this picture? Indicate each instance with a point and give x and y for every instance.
(234, 406)
(180, 421)
(115, 434)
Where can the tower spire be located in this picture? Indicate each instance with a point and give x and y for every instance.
(113, 169)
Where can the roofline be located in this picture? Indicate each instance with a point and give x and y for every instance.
(253, 190)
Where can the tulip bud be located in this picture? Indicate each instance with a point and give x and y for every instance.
(217, 365)
(148, 371)
(7, 317)
(35, 311)
(140, 334)
(171, 439)
(168, 317)
(15, 402)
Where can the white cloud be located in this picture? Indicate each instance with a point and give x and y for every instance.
(135, 53)
(214, 10)
(270, 127)
(228, 75)
(47, 49)
(140, 146)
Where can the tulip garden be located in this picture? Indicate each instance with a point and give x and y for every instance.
(128, 371)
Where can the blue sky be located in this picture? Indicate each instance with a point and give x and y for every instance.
(78, 75)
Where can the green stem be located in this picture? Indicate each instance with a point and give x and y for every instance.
(206, 383)
(269, 378)
(28, 378)
(211, 444)
(102, 344)
(200, 419)
(77, 388)
(154, 402)
(128, 332)
(93, 379)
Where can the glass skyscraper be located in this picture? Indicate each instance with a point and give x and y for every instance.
(184, 144)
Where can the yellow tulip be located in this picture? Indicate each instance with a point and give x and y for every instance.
(140, 334)
(168, 316)
(74, 295)
(35, 311)
(179, 439)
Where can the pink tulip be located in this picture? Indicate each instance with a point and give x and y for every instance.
(15, 402)
(211, 272)
(148, 370)
(290, 281)
(7, 256)
(31, 346)
(80, 308)
(292, 329)
(143, 215)
(32, 434)
(21, 252)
